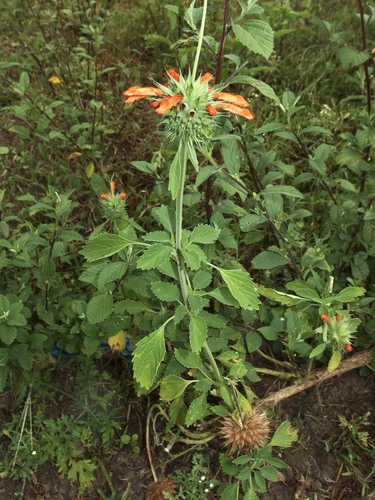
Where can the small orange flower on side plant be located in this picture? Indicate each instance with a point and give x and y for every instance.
(195, 102)
(104, 196)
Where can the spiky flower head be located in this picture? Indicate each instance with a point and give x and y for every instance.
(113, 204)
(245, 433)
(338, 331)
(155, 491)
(190, 106)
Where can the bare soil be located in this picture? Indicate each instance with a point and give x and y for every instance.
(318, 462)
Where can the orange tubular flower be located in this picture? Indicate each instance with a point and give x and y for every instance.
(168, 103)
(104, 196)
(136, 93)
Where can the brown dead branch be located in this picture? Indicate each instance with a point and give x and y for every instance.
(356, 361)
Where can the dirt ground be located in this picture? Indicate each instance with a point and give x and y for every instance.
(317, 462)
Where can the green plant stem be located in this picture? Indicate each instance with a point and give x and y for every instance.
(200, 40)
(106, 475)
(275, 373)
(201, 437)
(212, 362)
(180, 262)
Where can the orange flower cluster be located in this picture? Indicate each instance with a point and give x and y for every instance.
(163, 103)
(104, 196)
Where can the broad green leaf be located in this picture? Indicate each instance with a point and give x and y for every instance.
(231, 492)
(294, 325)
(348, 294)
(154, 256)
(193, 256)
(197, 409)
(166, 291)
(265, 90)
(284, 436)
(270, 127)
(165, 216)
(286, 190)
(269, 260)
(269, 473)
(334, 361)
(21, 131)
(103, 246)
(4, 306)
(350, 56)
(204, 173)
(22, 354)
(223, 295)
(203, 233)
(281, 297)
(8, 334)
(241, 286)
(4, 150)
(36, 340)
(314, 129)
(99, 308)
(147, 357)
(172, 386)
(251, 221)
(157, 236)
(253, 341)
(303, 290)
(256, 35)
(111, 272)
(144, 166)
(202, 279)
(197, 333)
(188, 359)
(317, 350)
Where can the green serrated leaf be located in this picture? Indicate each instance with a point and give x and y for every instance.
(202, 279)
(8, 334)
(351, 56)
(198, 333)
(241, 286)
(265, 90)
(22, 354)
(203, 233)
(253, 341)
(111, 272)
(166, 291)
(188, 359)
(197, 409)
(284, 436)
(148, 355)
(269, 473)
(99, 308)
(256, 35)
(285, 190)
(103, 246)
(348, 294)
(157, 237)
(154, 256)
(194, 256)
(172, 386)
(231, 491)
(269, 260)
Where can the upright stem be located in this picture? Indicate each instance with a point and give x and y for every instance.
(200, 41)
(179, 209)
(180, 261)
